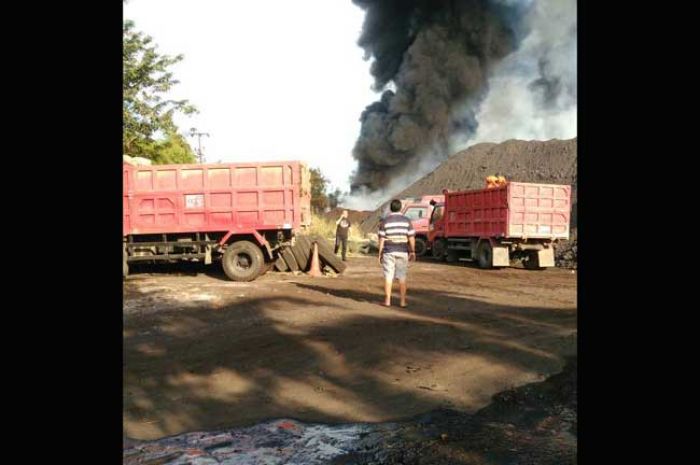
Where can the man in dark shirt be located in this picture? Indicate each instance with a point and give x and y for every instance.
(341, 233)
(397, 245)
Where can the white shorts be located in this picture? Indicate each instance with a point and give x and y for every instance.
(395, 265)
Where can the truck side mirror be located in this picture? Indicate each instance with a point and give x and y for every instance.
(433, 202)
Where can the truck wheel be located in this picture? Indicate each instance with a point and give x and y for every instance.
(421, 247)
(267, 266)
(439, 248)
(243, 261)
(485, 255)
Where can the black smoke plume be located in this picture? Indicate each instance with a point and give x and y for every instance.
(429, 56)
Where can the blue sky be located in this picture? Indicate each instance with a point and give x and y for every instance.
(272, 80)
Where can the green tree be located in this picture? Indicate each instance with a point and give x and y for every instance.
(149, 130)
(173, 149)
(319, 199)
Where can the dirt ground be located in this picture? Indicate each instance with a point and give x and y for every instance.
(202, 352)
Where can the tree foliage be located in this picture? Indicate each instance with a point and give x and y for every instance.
(149, 129)
(319, 184)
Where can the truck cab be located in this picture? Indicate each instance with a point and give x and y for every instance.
(436, 229)
(419, 211)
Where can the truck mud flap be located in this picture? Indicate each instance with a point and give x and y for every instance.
(542, 258)
(501, 256)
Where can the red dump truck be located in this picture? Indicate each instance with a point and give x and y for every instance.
(419, 210)
(240, 213)
(492, 226)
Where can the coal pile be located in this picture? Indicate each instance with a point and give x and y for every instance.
(551, 162)
(565, 254)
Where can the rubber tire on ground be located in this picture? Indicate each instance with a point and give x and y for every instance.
(289, 259)
(306, 250)
(299, 255)
(231, 254)
(327, 255)
(421, 247)
(484, 255)
(280, 264)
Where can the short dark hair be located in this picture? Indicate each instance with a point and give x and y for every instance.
(395, 205)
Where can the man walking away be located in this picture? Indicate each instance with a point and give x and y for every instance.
(397, 245)
(341, 233)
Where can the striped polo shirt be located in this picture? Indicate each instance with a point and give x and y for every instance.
(395, 228)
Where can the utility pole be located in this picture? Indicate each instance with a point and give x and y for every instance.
(193, 133)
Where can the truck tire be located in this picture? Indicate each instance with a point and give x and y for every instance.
(439, 248)
(421, 247)
(306, 250)
(298, 254)
(484, 255)
(280, 264)
(289, 259)
(267, 266)
(243, 261)
(327, 255)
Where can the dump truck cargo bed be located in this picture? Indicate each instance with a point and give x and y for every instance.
(516, 210)
(167, 199)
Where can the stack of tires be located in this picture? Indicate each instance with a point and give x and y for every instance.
(244, 260)
(298, 257)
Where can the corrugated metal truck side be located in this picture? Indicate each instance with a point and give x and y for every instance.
(237, 212)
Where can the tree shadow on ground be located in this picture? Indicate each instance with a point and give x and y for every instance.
(200, 367)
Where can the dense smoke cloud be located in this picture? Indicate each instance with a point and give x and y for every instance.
(435, 53)
(533, 90)
(450, 71)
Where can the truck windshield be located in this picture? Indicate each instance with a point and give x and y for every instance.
(415, 213)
